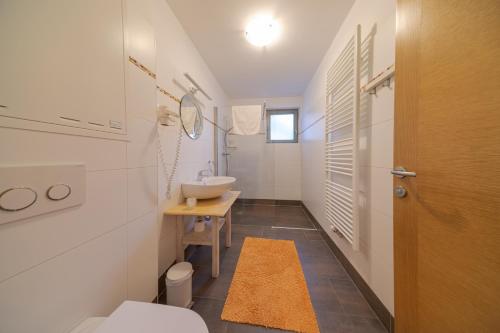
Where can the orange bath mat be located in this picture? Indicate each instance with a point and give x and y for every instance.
(269, 288)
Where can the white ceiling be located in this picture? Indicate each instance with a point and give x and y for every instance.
(245, 71)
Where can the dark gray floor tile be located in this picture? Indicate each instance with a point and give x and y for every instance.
(352, 300)
(290, 234)
(228, 256)
(207, 287)
(290, 211)
(244, 328)
(323, 267)
(323, 296)
(271, 216)
(210, 310)
(293, 221)
(236, 245)
(331, 322)
(255, 210)
(367, 325)
(229, 263)
(358, 309)
(313, 248)
(202, 256)
(344, 285)
(239, 231)
(312, 235)
(254, 220)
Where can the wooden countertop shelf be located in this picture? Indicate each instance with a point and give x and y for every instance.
(209, 207)
(204, 237)
(220, 211)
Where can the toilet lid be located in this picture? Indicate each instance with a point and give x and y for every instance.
(136, 317)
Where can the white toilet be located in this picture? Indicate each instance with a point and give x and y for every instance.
(135, 317)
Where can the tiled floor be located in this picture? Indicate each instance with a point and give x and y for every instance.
(339, 305)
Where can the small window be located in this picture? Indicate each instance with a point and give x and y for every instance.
(282, 126)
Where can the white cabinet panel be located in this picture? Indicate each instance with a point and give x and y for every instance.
(63, 62)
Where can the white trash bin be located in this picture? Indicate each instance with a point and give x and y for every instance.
(179, 285)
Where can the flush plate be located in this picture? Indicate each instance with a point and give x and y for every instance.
(27, 191)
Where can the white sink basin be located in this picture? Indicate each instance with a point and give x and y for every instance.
(208, 188)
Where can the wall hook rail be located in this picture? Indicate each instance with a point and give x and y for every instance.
(382, 79)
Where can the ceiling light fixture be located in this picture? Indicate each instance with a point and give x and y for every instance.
(262, 30)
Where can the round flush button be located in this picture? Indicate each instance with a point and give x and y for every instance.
(17, 198)
(58, 192)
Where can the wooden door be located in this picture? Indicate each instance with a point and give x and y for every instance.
(447, 130)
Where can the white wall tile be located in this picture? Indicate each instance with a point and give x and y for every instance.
(141, 130)
(382, 144)
(167, 243)
(381, 192)
(263, 170)
(142, 154)
(288, 192)
(383, 105)
(29, 242)
(375, 185)
(142, 195)
(287, 175)
(142, 254)
(365, 143)
(382, 266)
(31, 147)
(140, 93)
(142, 149)
(376, 145)
(140, 31)
(287, 153)
(55, 296)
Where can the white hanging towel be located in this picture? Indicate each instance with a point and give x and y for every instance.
(246, 119)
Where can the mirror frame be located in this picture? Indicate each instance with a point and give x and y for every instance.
(199, 114)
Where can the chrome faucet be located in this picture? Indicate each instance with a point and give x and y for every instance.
(205, 172)
(202, 174)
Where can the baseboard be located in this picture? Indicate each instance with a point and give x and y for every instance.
(380, 310)
(270, 202)
(162, 287)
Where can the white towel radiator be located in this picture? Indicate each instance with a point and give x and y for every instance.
(341, 141)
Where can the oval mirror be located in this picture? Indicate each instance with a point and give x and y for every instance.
(191, 117)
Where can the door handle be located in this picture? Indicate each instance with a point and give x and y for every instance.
(402, 173)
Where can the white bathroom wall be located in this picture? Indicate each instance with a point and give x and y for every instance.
(142, 208)
(265, 170)
(374, 260)
(59, 268)
(177, 55)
